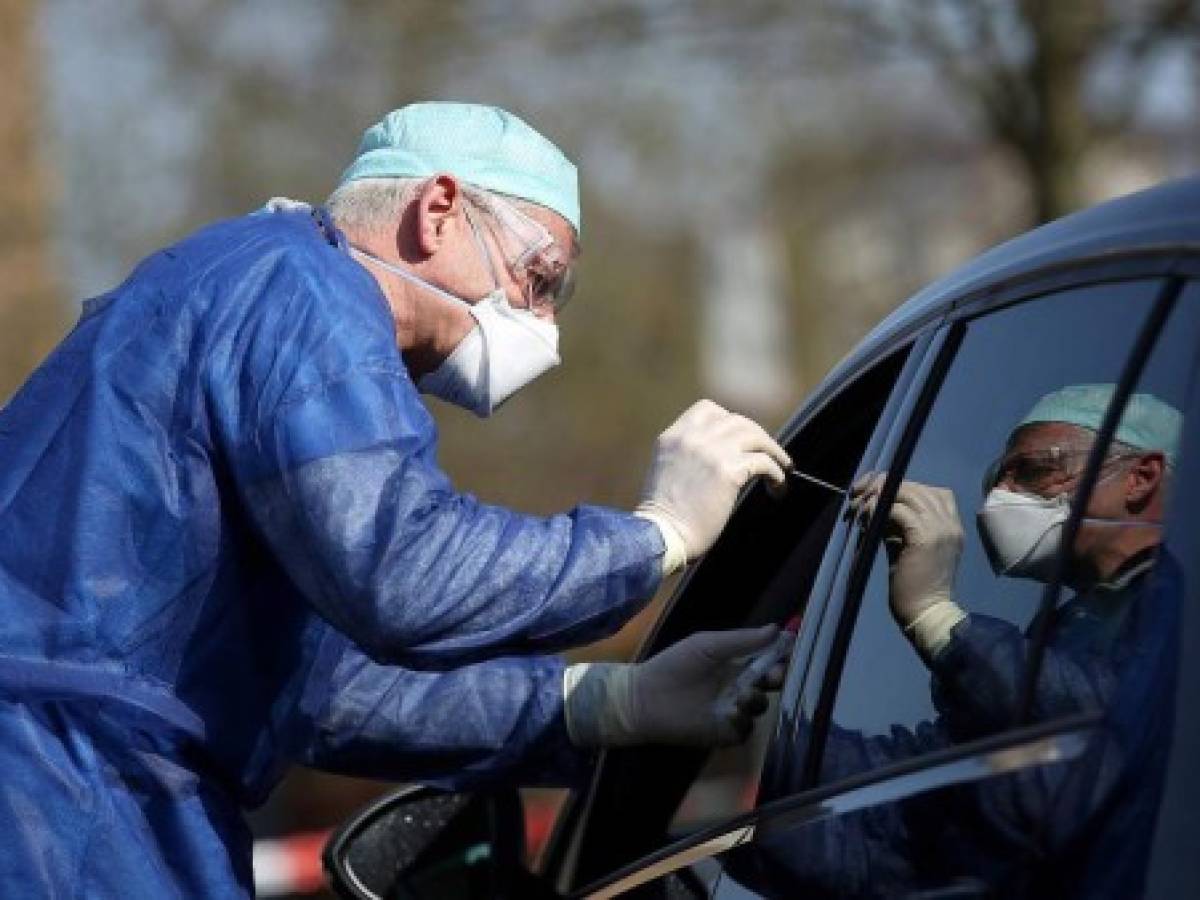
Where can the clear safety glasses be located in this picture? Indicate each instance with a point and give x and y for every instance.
(1042, 471)
(536, 262)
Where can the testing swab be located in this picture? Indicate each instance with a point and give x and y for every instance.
(796, 473)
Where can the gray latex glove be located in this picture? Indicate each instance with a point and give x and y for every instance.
(924, 539)
(704, 691)
(700, 464)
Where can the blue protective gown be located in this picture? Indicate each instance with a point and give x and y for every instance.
(226, 546)
(1074, 829)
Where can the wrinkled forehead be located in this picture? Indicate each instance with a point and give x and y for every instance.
(1041, 436)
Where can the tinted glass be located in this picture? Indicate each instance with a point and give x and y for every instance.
(1072, 824)
(886, 707)
(1175, 867)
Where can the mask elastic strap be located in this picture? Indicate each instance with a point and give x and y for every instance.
(409, 276)
(482, 247)
(1120, 523)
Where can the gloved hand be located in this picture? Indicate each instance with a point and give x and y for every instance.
(703, 691)
(700, 464)
(924, 539)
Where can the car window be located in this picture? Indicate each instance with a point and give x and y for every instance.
(1109, 634)
(761, 570)
(1008, 362)
(1065, 804)
(728, 782)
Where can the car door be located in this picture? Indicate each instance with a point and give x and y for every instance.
(868, 787)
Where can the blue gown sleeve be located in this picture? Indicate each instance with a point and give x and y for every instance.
(499, 721)
(977, 678)
(334, 458)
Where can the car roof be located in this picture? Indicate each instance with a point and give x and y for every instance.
(1161, 217)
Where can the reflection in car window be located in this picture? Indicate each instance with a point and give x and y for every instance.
(941, 645)
(1008, 363)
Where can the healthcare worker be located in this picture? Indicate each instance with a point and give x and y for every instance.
(1079, 830)
(226, 545)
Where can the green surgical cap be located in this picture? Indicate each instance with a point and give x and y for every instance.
(484, 146)
(1147, 422)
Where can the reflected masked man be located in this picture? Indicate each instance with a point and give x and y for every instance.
(1110, 648)
(1029, 491)
(226, 544)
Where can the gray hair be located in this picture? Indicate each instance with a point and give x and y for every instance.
(371, 205)
(374, 205)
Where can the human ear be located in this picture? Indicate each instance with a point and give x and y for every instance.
(1144, 478)
(437, 206)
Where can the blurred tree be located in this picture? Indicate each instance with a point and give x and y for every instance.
(289, 108)
(31, 312)
(1047, 81)
(1033, 72)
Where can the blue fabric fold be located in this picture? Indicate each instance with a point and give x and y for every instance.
(226, 546)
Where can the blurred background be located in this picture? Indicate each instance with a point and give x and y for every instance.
(762, 182)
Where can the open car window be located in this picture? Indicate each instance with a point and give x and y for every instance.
(762, 570)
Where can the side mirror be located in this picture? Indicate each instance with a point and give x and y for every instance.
(419, 843)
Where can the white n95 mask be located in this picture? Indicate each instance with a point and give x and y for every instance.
(506, 350)
(1022, 533)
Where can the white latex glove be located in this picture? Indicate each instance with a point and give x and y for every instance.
(700, 464)
(704, 691)
(924, 539)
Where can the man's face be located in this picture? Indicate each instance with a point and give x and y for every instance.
(1047, 459)
(522, 248)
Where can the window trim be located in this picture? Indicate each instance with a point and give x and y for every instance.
(911, 372)
(815, 643)
(1140, 264)
(1056, 281)
(1060, 741)
(973, 299)
(894, 457)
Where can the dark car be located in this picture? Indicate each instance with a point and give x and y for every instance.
(866, 778)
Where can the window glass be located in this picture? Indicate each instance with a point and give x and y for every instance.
(1175, 866)
(1056, 823)
(762, 570)
(829, 449)
(1009, 362)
